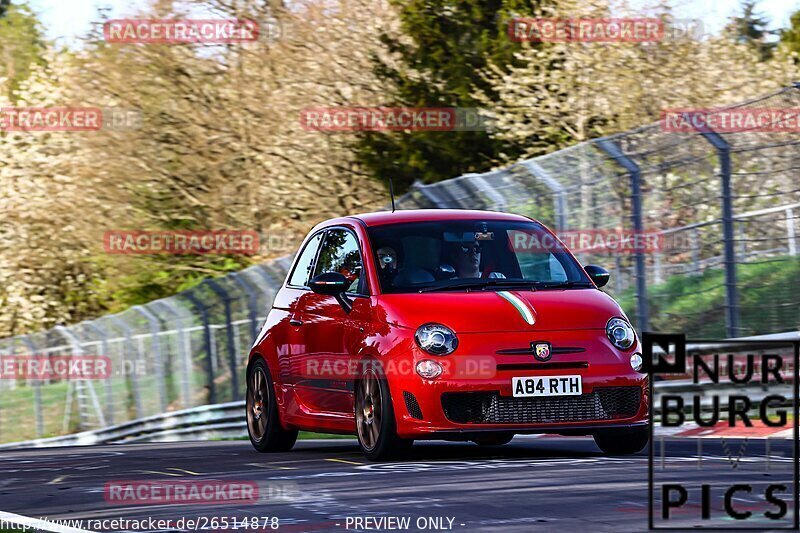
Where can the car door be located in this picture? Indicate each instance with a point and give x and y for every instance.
(329, 331)
(288, 301)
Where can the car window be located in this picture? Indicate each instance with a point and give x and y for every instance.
(420, 255)
(302, 270)
(340, 253)
(541, 265)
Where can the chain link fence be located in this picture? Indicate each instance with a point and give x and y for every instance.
(175, 353)
(723, 208)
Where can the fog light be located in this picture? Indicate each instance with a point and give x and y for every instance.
(636, 362)
(429, 369)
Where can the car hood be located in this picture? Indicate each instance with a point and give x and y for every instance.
(494, 311)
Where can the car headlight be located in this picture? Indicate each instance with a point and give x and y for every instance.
(620, 333)
(436, 339)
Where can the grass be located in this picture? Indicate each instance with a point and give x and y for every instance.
(18, 414)
(768, 300)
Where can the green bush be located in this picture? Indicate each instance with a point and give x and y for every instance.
(768, 300)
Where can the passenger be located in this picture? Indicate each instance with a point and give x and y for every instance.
(387, 263)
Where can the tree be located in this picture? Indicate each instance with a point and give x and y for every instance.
(22, 45)
(750, 27)
(790, 38)
(218, 145)
(434, 61)
(569, 92)
(48, 212)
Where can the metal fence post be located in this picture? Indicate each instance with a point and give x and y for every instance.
(37, 389)
(183, 351)
(252, 303)
(129, 349)
(731, 294)
(155, 328)
(108, 385)
(742, 241)
(226, 302)
(790, 231)
(611, 148)
(198, 305)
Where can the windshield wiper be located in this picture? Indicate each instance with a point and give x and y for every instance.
(482, 284)
(563, 284)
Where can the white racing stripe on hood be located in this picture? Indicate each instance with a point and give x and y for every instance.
(519, 305)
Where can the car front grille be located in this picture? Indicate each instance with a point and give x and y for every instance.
(603, 403)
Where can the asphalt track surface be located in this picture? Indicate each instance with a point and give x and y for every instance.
(531, 484)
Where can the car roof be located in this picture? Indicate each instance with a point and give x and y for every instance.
(383, 218)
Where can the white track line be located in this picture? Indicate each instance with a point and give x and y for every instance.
(37, 524)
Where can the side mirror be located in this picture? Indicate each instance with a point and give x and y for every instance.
(332, 284)
(598, 274)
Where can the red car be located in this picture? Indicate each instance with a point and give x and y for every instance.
(444, 324)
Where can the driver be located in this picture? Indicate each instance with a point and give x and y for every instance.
(467, 261)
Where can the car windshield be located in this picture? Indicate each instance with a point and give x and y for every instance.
(472, 255)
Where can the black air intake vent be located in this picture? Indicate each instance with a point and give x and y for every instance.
(412, 405)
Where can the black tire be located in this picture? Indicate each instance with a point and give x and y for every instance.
(263, 424)
(375, 421)
(622, 442)
(494, 439)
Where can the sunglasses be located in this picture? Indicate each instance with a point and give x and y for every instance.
(476, 248)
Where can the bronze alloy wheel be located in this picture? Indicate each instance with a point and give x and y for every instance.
(257, 404)
(264, 427)
(368, 410)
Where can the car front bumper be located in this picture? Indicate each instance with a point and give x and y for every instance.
(474, 393)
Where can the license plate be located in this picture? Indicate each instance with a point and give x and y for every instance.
(546, 386)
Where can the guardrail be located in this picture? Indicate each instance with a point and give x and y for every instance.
(206, 422)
